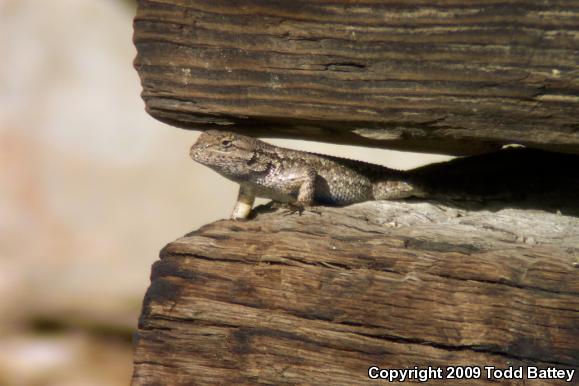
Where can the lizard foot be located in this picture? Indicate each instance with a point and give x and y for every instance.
(292, 208)
(289, 208)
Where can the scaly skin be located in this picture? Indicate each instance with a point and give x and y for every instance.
(296, 177)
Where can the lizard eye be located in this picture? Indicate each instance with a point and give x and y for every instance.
(225, 142)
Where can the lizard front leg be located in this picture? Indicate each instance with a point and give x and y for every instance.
(245, 199)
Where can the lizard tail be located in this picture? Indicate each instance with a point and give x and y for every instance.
(395, 189)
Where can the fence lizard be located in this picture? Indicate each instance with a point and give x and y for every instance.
(516, 176)
(295, 177)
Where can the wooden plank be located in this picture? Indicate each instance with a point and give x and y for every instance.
(319, 298)
(453, 76)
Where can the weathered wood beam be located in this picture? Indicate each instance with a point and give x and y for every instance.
(443, 76)
(319, 298)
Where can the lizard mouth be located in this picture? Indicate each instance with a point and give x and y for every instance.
(196, 152)
(193, 152)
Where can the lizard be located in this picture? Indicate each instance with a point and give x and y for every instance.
(295, 177)
(302, 179)
(518, 176)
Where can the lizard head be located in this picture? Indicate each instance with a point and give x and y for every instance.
(231, 155)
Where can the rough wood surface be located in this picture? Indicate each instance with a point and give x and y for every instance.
(319, 298)
(449, 76)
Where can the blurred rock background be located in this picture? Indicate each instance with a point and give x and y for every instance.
(91, 188)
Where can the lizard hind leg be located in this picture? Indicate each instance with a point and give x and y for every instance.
(307, 188)
(305, 183)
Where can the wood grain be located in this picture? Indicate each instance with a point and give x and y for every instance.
(443, 76)
(319, 298)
